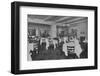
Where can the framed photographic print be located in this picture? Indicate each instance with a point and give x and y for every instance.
(52, 37)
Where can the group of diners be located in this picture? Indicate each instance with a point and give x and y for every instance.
(68, 45)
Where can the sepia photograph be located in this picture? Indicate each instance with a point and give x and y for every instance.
(51, 37)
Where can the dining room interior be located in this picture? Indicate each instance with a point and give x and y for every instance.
(51, 37)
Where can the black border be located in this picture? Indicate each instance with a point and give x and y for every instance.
(15, 34)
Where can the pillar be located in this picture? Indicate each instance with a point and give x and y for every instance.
(53, 31)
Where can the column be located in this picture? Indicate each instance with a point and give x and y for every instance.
(53, 30)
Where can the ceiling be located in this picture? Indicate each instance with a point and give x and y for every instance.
(54, 19)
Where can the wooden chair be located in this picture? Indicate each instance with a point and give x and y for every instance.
(71, 49)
